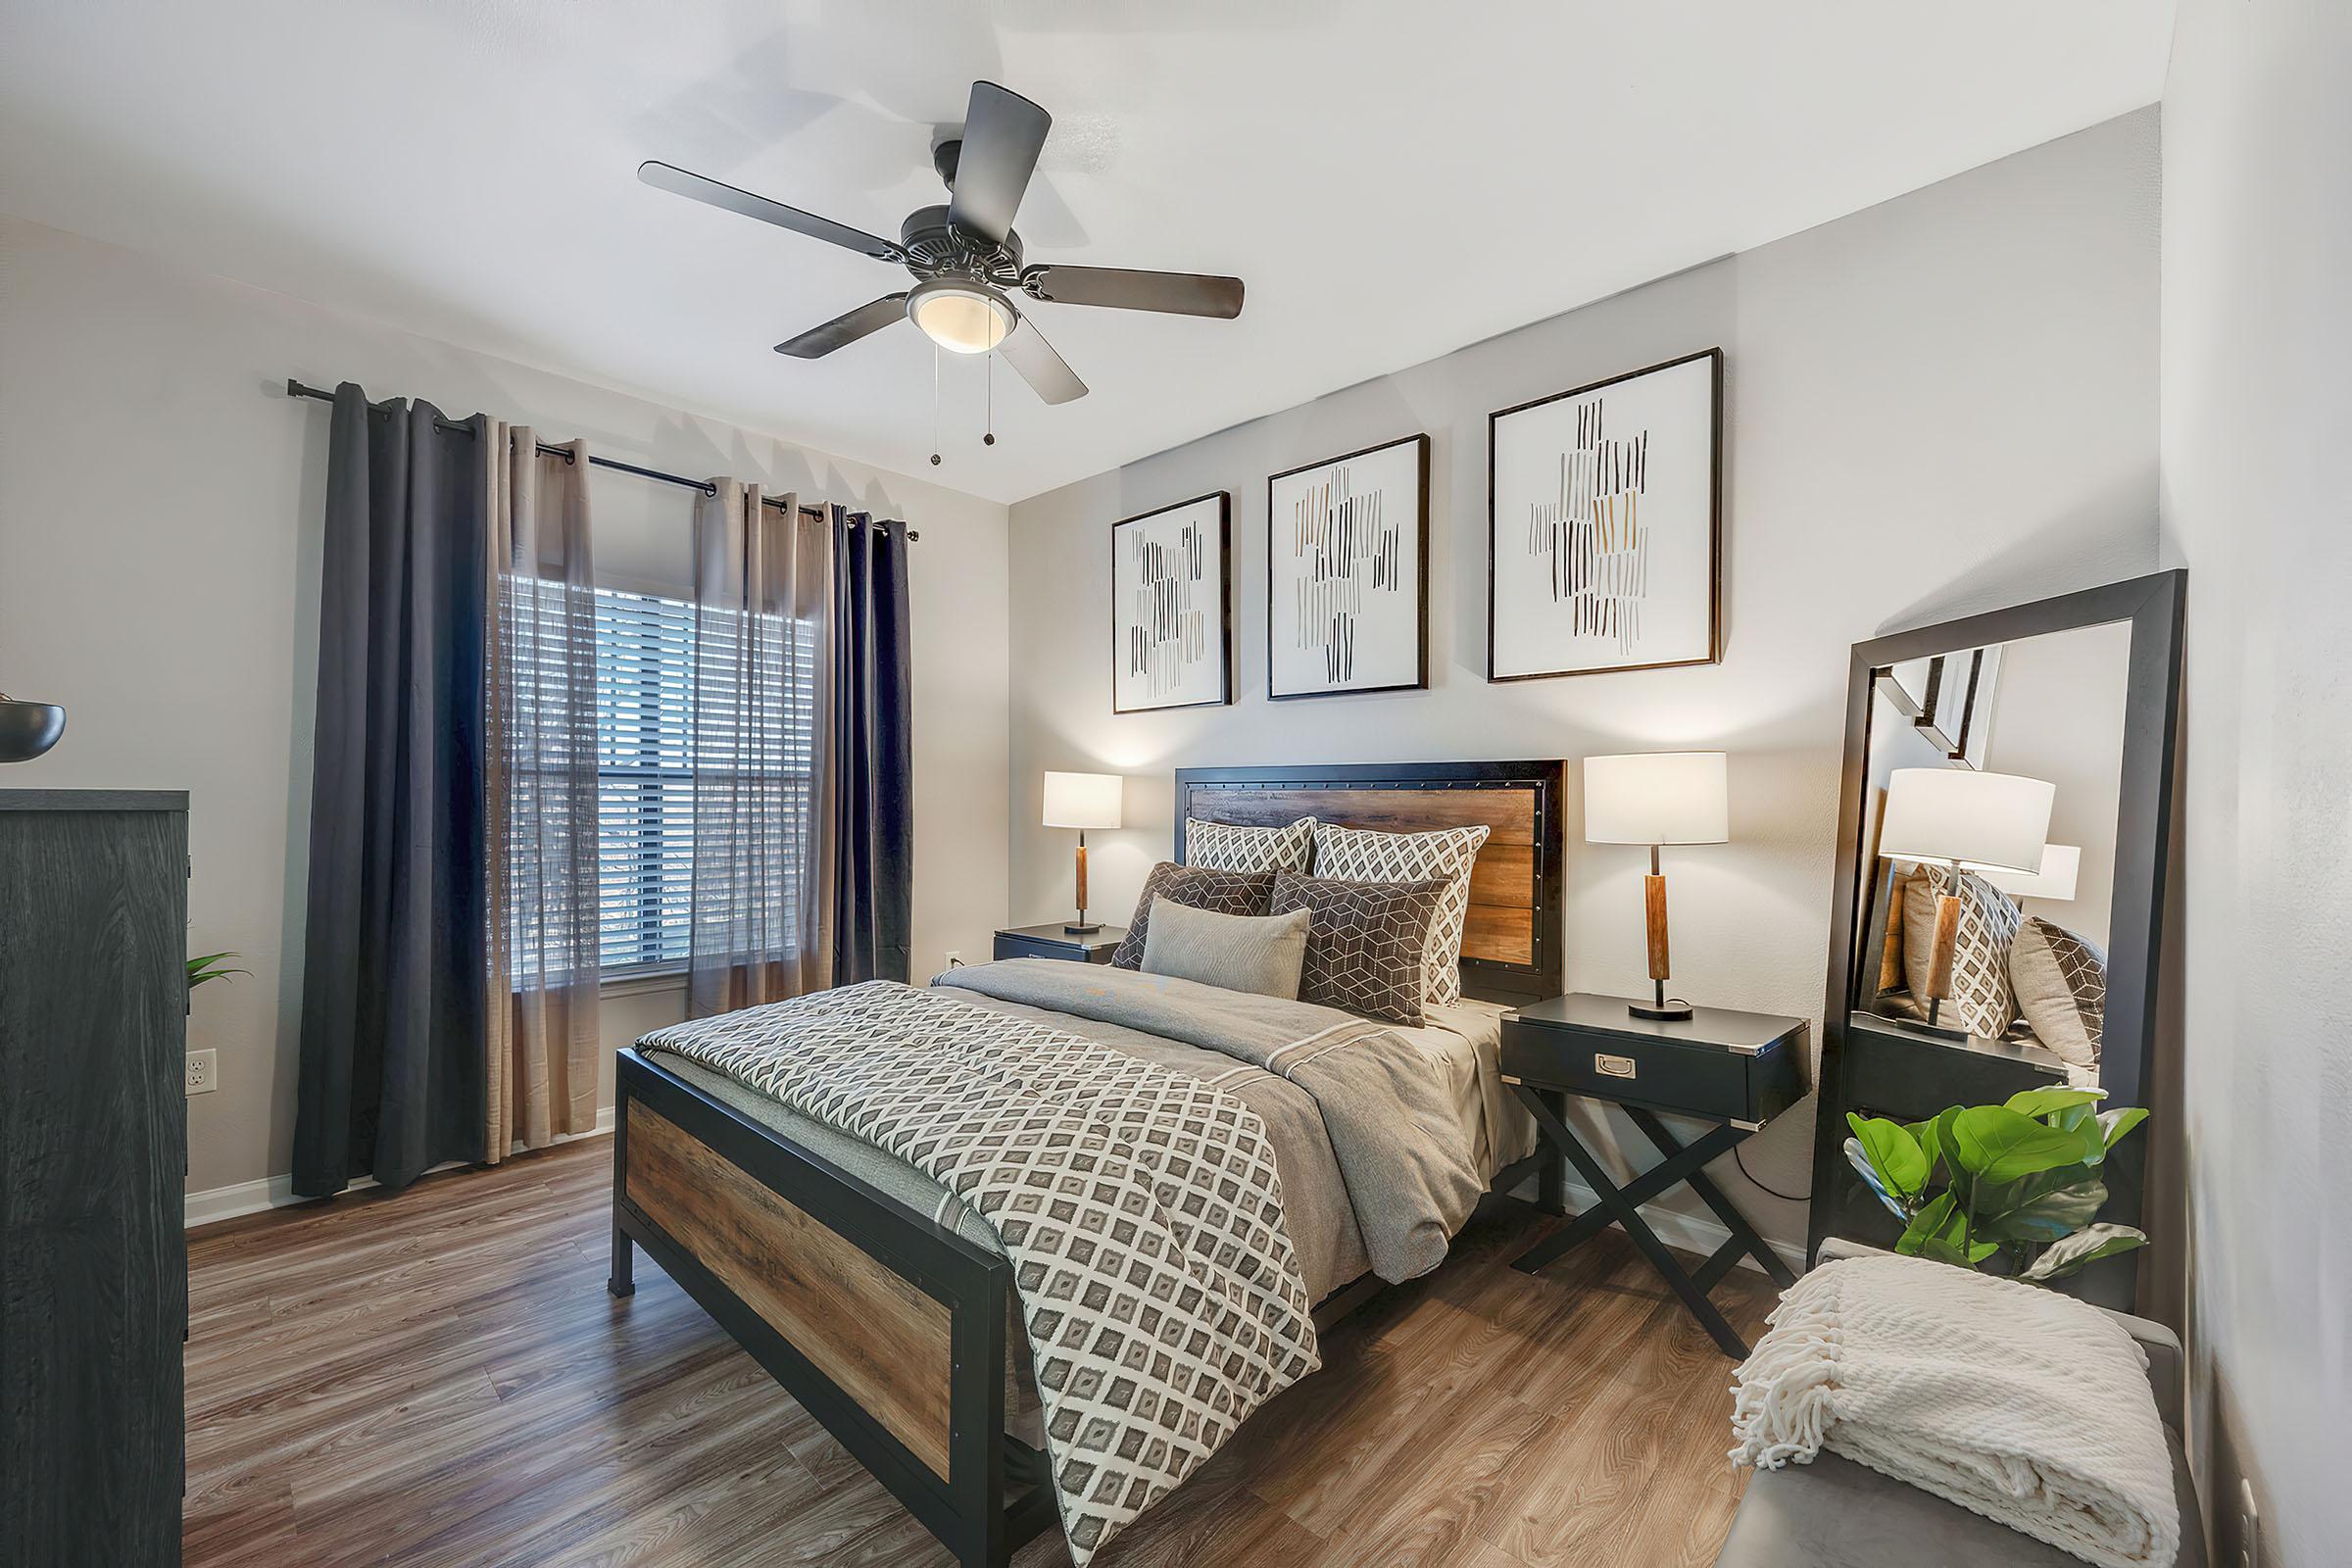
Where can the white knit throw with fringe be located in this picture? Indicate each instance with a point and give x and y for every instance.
(2026, 1406)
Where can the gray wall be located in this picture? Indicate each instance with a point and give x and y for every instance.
(2257, 419)
(1943, 404)
(159, 575)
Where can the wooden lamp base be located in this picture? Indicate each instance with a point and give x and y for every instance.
(1653, 899)
(1939, 970)
(1081, 928)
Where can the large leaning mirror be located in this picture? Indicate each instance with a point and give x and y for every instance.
(2000, 871)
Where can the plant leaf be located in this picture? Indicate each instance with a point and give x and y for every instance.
(1923, 1133)
(2114, 1124)
(1929, 1226)
(1893, 1152)
(2050, 1217)
(1872, 1179)
(2067, 1257)
(2040, 1103)
(1997, 1145)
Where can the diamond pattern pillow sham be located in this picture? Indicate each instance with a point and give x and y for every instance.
(1196, 886)
(1363, 855)
(1365, 943)
(1232, 846)
(1981, 1000)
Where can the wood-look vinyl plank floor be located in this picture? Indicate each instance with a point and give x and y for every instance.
(436, 1379)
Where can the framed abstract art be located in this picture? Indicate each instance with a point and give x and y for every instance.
(1347, 573)
(1171, 607)
(1605, 525)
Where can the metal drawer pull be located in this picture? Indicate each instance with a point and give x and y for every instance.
(1612, 1066)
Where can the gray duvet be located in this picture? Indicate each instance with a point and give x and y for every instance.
(1378, 1165)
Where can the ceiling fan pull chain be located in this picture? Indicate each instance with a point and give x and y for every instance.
(935, 405)
(988, 437)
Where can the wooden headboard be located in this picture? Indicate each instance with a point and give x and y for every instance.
(1511, 951)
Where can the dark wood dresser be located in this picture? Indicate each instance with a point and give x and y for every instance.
(93, 1149)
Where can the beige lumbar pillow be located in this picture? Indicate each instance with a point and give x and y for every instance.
(1257, 954)
(2061, 985)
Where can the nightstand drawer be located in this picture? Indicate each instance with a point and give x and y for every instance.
(1586, 1045)
(1051, 941)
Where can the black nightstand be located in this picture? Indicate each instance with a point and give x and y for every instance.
(1053, 942)
(1736, 1069)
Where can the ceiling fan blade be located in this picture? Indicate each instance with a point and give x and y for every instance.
(1046, 372)
(1178, 293)
(666, 176)
(846, 328)
(1002, 133)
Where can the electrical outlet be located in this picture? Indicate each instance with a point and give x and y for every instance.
(955, 959)
(2249, 1526)
(204, 1071)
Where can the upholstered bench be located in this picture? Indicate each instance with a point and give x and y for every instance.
(1835, 1513)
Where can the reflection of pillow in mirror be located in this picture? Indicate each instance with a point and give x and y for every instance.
(2061, 986)
(1892, 976)
(1981, 1002)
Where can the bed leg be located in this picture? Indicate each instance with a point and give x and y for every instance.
(622, 1282)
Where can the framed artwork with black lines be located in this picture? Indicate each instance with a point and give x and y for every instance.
(1171, 607)
(1604, 516)
(1347, 573)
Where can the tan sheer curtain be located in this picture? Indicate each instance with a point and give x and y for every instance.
(764, 867)
(541, 796)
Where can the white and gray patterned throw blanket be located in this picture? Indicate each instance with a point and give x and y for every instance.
(1141, 1208)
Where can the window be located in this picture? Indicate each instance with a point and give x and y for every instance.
(645, 781)
(645, 652)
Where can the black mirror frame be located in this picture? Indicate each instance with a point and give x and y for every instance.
(2155, 605)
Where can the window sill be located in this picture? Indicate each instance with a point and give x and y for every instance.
(643, 982)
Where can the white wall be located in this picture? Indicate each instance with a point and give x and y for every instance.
(2058, 714)
(1939, 405)
(160, 501)
(2257, 419)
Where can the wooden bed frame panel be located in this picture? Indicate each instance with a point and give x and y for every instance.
(892, 1329)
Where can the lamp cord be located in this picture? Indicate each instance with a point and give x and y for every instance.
(1786, 1197)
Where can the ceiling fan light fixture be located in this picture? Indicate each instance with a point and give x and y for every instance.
(960, 316)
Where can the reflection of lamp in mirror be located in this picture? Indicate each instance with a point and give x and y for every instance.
(1658, 797)
(1967, 821)
(2061, 870)
(1083, 801)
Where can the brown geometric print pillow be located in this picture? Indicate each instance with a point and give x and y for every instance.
(1367, 854)
(1196, 886)
(2061, 985)
(1981, 1000)
(1366, 943)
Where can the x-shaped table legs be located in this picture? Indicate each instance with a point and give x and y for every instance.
(1680, 1164)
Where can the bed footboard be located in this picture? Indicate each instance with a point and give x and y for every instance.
(887, 1326)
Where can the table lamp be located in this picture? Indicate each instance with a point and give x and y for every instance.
(1082, 800)
(2061, 870)
(1965, 820)
(1658, 797)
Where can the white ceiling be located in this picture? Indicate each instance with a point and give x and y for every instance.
(1392, 179)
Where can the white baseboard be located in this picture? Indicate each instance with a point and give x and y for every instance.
(277, 1191)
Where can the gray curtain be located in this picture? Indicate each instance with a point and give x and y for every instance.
(761, 927)
(391, 1078)
(872, 789)
(541, 754)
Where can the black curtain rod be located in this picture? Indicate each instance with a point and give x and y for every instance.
(295, 389)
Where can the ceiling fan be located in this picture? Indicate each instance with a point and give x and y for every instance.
(967, 258)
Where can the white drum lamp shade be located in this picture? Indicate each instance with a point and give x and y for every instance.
(1082, 800)
(1659, 798)
(1981, 821)
(2061, 870)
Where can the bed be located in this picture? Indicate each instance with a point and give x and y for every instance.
(887, 1306)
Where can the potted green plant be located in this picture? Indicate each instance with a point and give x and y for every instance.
(211, 967)
(2020, 1180)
